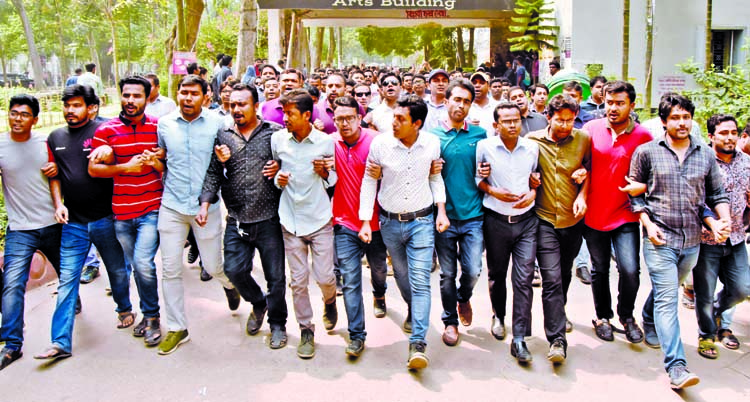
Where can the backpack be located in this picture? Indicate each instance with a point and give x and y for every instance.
(526, 77)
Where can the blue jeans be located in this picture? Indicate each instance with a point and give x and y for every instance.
(411, 245)
(627, 257)
(583, 258)
(350, 249)
(725, 262)
(92, 260)
(20, 246)
(239, 250)
(139, 238)
(467, 236)
(668, 268)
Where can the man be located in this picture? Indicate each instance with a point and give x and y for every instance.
(128, 155)
(381, 118)
(24, 163)
(482, 108)
(458, 142)
(158, 105)
(726, 260)
(251, 72)
(192, 69)
(86, 216)
(419, 85)
(316, 81)
(539, 94)
(554, 68)
(242, 168)
(521, 74)
(595, 103)
(496, 89)
(288, 80)
(530, 120)
(560, 206)
(610, 224)
(224, 72)
(681, 174)
(510, 72)
(223, 110)
(438, 81)
(407, 194)
(73, 79)
(357, 76)
(335, 87)
(307, 171)
(270, 89)
(408, 83)
(187, 140)
(91, 79)
(363, 94)
(510, 224)
(352, 148)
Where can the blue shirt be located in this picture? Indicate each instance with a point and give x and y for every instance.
(189, 146)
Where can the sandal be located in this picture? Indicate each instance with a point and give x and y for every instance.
(53, 353)
(728, 339)
(707, 348)
(126, 319)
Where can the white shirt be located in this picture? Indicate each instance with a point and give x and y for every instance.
(483, 116)
(227, 116)
(162, 106)
(406, 184)
(509, 170)
(435, 114)
(382, 118)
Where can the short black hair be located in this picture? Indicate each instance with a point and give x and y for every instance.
(193, 80)
(460, 83)
(202, 70)
(25, 99)
(533, 88)
(618, 87)
(314, 91)
(219, 57)
(419, 76)
(561, 102)
(229, 83)
(596, 79)
(226, 60)
(245, 87)
(265, 66)
(78, 70)
(717, 119)
(90, 67)
(300, 75)
(555, 64)
(192, 68)
(669, 100)
(153, 77)
(416, 106)
(84, 91)
(516, 88)
(496, 79)
(387, 74)
(346, 101)
(573, 86)
(300, 98)
(504, 105)
(135, 80)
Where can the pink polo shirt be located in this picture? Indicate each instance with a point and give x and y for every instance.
(272, 111)
(350, 167)
(608, 207)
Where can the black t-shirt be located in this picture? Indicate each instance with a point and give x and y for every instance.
(87, 199)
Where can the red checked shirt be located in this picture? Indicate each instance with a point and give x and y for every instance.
(350, 166)
(135, 194)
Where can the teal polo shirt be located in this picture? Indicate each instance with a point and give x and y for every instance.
(458, 148)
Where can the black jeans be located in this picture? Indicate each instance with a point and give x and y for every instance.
(239, 250)
(503, 239)
(626, 242)
(556, 250)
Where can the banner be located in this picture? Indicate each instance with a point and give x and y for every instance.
(389, 4)
(180, 61)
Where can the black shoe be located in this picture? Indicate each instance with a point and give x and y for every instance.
(603, 329)
(233, 298)
(417, 356)
(355, 348)
(330, 315)
(278, 338)
(519, 350)
(193, 255)
(407, 322)
(79, 306)
(152, 332)
(255, 320)
(339, 287)
(205, 276)
(557, 352)
(9, 356)
(632, 331)
(583, 274)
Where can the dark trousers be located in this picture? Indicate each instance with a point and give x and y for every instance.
(503, 239)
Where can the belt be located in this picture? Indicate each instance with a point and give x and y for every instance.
(407, 216)
(510, 218)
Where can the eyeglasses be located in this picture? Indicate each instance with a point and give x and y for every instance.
(393, 82)
(23, 115)
(362, 94)
(347, 119)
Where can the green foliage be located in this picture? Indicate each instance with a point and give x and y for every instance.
(437, 44)
(592, 70)
(534, 24)
(720, 91)
(218, 35)
(12, 41)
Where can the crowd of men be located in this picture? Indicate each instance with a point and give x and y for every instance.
(416, 166)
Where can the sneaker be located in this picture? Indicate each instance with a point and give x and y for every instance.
(537, 281)
(583, 274)
(417, 356)
(255, 320)
(339, 287)
(568, 326)
(89, 273)
(172, 341)
(306, 347)
(330, 315)
(603, 329)
(651, 338)
(355, 348)
(378, 307)
(152, 332)
(632, 330)
(680, 377)
(79, 306)
(407, 322)
(278, 338)
(557, 353)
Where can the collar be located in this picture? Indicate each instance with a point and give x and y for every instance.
(200, 116)
(628, 130)
(565, 140)
(693, 143)
(522, 143)
(312, 137)
(129, 122)
(447, 127)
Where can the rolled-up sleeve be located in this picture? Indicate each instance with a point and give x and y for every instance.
(639, 172)
(369, 185)
(715, 191)
(437, 186)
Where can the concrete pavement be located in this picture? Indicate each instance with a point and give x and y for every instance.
(223, 363)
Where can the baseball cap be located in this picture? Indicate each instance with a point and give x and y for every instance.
(480, 74)
(437, 71)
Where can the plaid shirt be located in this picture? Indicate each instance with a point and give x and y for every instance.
(676, 191)
(736, 176)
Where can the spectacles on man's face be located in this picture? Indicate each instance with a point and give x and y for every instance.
(23, 115)
(362, 94)
(345, 119)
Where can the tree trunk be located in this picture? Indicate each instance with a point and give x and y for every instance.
(130, 46)
(293, 39)
(93, 48)
(625, 39)
(339, 47)
(317, 55)
(331, 47)
(247, 37)
(184, 34)
(709, 34)
(649, 53)
(472, 59)
(460, 47)
(64, 67)
(36, 62)
(108, 10)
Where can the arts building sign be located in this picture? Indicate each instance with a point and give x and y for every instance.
(415, 5)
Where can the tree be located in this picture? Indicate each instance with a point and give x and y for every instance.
(184, 33)
(36, 62)
(709, 34)
(649, 52)
(534, 23)
(247, 36)
(625, 38)
(11, 36)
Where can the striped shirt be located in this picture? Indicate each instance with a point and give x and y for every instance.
(135, 194)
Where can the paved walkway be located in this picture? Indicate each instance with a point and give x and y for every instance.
(222, 363)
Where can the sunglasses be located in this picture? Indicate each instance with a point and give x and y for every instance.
(362, 93)
(391, 82)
